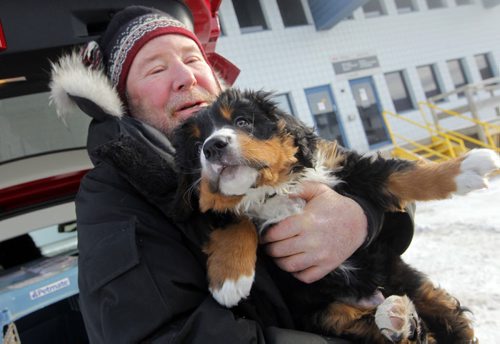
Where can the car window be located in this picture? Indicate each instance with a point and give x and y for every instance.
(30, 126)
(44, 242)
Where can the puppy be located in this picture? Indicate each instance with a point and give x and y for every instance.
(243, 157)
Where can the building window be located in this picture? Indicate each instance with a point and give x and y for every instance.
(484, 66)
(405, 6)
(250, 16)
(374, 8)
(292, 12)
(397, 84)
(284, 103)
(457, 72)
(432, 4)
(463, 2)
(429, 80)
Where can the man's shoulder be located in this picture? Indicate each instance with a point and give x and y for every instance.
(100, 189)
(103, 178)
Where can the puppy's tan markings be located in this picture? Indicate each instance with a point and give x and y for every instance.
(215, 201)
(342, 318)
(226, 111)
(330, 154)
(195, 132)
(276, 155)
(231, 253)
(425, 181)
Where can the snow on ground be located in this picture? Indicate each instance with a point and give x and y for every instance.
(457, 243)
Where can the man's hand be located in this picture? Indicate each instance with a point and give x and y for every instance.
(312, 244)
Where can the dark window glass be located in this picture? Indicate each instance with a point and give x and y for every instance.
(435, 4)
(405, 6)
(373, 8)
(484, 66)
(457, 72)
(325, 114)
(292, 12)
(250, 16)
(396, 83)
(429, 81)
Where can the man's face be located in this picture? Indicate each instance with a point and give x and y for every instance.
(169, 80)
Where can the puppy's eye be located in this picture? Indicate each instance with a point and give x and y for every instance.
(242, 122)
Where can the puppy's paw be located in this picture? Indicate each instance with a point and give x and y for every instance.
(397, 319)
(231, 292)
(478, 163)
(232, 253)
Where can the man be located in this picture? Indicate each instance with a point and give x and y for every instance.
(142, 276)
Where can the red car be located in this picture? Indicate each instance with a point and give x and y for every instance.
(43, 159)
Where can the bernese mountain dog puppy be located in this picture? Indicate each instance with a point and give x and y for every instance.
(242, 157)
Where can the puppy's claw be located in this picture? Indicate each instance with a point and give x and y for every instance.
(232, 292)
(397, 318)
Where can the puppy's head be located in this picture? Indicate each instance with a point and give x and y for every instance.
(242, 141)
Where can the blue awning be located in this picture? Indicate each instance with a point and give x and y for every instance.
(327, 13)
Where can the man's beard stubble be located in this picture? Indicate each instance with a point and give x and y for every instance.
(167, 123)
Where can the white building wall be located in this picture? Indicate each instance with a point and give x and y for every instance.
(295, 58)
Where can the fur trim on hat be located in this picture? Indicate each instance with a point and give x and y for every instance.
(70, 77)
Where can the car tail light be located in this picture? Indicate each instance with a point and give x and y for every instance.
(39, 192)
(3, 41)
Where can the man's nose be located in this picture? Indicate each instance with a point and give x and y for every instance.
(184, 78)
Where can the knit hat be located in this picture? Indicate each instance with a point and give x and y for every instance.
(128, 31)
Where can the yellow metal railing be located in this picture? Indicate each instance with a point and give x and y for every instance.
(449, 141)
(430, 151)
(489, 129)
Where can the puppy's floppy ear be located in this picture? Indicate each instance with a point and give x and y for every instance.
(185, 200)
(187, 162)
(264, 100)
(304, 137)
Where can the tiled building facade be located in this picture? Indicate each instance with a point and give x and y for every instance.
(387, 54)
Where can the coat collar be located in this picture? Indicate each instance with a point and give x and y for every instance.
(71, 78)
(140, 153)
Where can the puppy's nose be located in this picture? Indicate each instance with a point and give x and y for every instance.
(215, 147)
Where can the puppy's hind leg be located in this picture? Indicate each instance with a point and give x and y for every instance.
(443, 315)
(394, 321)
(399, 322)
(424, 181)
(353, 322)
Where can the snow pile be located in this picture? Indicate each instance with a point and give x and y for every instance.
(457, 243)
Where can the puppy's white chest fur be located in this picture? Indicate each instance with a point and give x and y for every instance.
(267, 205)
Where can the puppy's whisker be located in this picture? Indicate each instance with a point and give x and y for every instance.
(192, 171)
(189, 191)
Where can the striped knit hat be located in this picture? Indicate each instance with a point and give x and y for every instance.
(128, 31)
